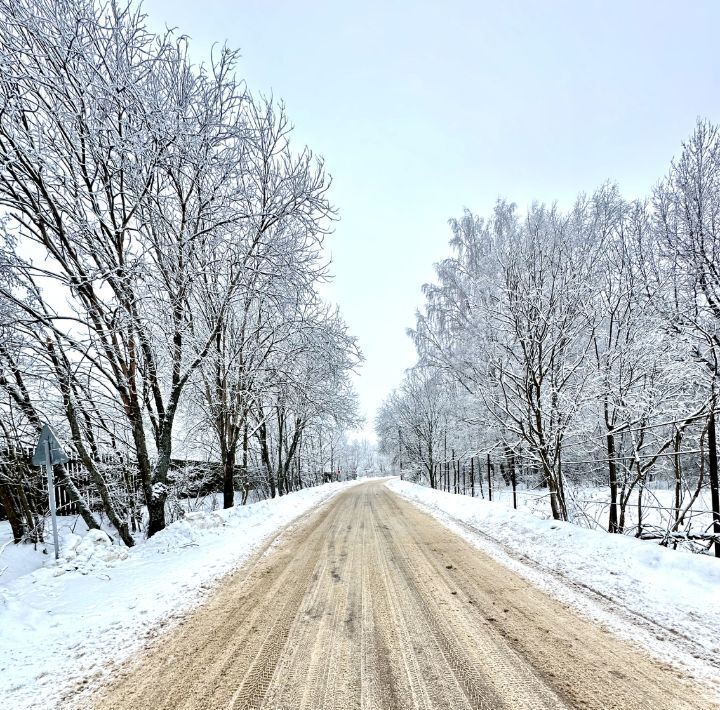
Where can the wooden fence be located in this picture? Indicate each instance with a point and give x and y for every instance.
(204, 477)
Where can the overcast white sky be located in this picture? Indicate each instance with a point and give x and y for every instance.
(423, 108)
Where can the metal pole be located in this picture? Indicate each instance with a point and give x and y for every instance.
(455, 475)
(400, 452)
(714, 484)
(488, 477)
(51, 496)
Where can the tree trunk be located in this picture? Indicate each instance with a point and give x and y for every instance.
(229, 478)
(265, 456)
(677, 470)
(159, 491)
(612, 472)
(510, 458)
(641, 489)
(557, 505)
(68, 389)
(13, 513)
(245, 480)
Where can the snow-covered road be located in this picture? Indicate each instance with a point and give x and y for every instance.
(370, 604)
(67, 625)
(667, 601)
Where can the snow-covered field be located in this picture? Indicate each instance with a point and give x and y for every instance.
(63, 626)
(590, 506)
(668, 601)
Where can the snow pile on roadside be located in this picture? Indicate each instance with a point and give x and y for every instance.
(64, 625)
(23, 559)
(677, 590)
(87, 554)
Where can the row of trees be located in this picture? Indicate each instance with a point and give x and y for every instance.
(160, 253)
(581, 344)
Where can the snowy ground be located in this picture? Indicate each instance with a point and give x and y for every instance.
(667, 601)
(590, 506)
(18, 560)
(63, 626)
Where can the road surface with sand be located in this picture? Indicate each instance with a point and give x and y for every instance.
(369, 603)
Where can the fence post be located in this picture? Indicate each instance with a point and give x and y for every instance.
(513, 478)
(489, 479)
(455, 475)
(714, 493)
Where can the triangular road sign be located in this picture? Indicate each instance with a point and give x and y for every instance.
(57, 455)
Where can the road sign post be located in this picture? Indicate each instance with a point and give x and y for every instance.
(49, 452)
(51, 496)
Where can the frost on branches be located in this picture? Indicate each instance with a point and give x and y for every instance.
(562, 352)
(159, 261)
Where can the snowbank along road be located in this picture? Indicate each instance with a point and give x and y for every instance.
(369, 603)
